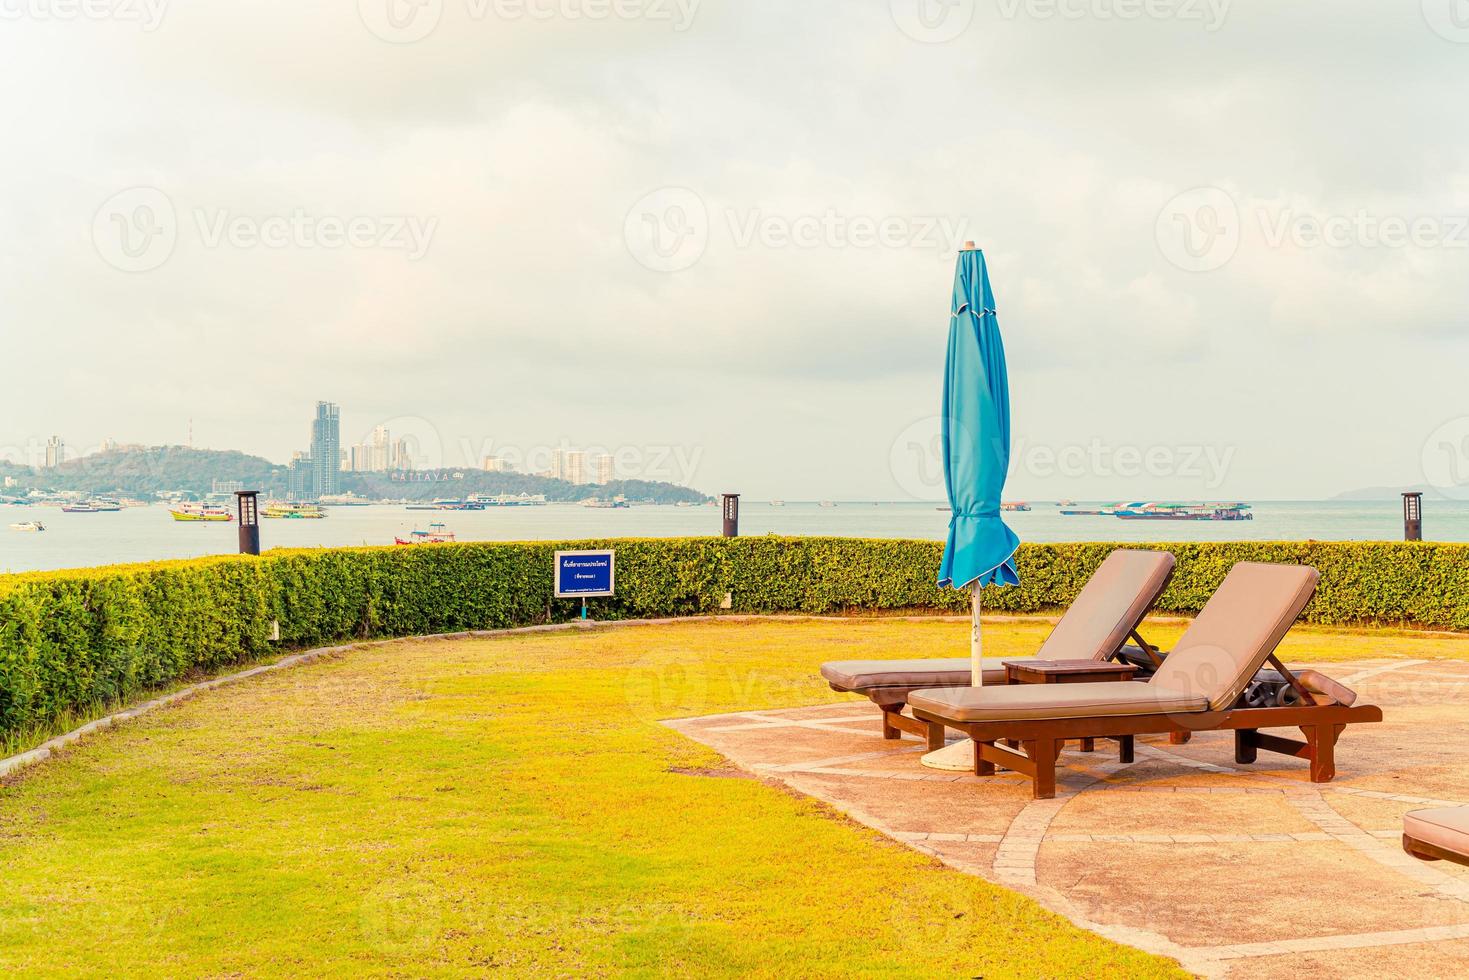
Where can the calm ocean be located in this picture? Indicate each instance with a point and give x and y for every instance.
(149, 533)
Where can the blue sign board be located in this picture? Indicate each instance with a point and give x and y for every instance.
(583, 573)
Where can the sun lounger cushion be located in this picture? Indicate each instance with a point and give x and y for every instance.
(1112, 602)
(1028, 702)
(1236, 631)
(1447, 828)
(865, 675)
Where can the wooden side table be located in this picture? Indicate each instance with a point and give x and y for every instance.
(1073, 672)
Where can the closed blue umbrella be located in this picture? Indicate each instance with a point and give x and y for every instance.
(976, 432)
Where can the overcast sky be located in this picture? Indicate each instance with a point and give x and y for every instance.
(1229, 242)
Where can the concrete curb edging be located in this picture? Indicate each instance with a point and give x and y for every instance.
(50, 747)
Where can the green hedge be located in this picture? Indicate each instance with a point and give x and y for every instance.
(73, 639)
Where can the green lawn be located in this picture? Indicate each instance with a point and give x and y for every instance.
(457, 807)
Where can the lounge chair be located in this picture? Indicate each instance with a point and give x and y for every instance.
(1438, 835)
(1096, 626)
(1197, 688)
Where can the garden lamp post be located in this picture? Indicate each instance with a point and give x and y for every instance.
(249, 515)
(1412, 517)
(730, 505)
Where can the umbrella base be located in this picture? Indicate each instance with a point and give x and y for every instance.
(957, 757)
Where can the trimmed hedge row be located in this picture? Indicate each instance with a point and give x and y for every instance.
(73, 639)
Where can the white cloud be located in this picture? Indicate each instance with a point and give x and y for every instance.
(1054, 143)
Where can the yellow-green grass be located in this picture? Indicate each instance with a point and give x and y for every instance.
(461, 807)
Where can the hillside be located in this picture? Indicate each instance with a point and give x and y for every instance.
(145, 472)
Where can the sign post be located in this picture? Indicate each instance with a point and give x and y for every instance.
(584, 574)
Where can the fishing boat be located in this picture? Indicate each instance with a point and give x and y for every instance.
(1015, 508)
(28, 526)
(200, 512)
(436, 534)
(1152, 511)
(293, 512)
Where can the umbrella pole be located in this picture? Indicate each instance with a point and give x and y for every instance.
(976, 641)
(959, 756)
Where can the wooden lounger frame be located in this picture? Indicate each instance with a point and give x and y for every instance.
(892, 700)
(1424, 851)
(1041, 739)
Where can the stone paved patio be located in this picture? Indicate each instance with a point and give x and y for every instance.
(1234, 870)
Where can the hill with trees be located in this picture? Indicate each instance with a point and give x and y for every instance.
(161, 469)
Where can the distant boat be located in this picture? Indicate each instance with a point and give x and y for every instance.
(28, 526)
(1016, 507)
(777, 503)
(450, 504)
(1146, 511)
(1088, 513)
(436, 534)
(827, 503)
(294, 512)
(201, 512)
(510, 500)
(80, 507)
(616, 503)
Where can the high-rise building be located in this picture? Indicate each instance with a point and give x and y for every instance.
(574, 468)
(604, 469)
(498, 464)
(361, 458)
(326, 448)
(301, 478)
(381, 459)
(55, 452)
(402, 456)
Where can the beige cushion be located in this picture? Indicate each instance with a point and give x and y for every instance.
(1447, 828)
(1240, 625)
(1028, 702)
(865, 675)
(1113, 601)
